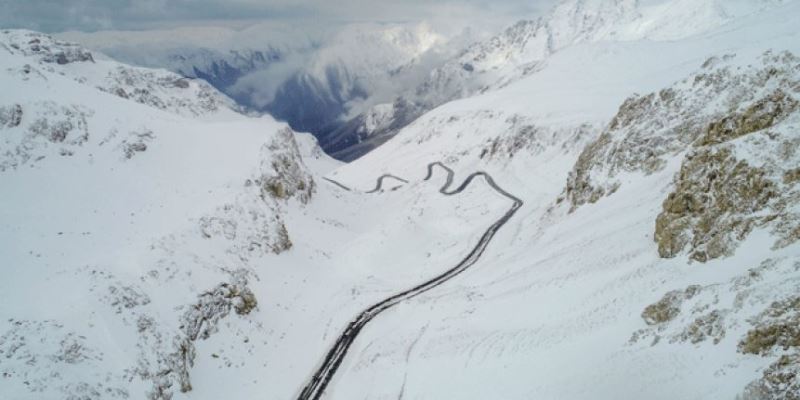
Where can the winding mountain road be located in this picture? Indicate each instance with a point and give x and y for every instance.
(315, 388)
(379, 183)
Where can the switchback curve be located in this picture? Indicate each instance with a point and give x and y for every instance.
(379, 183)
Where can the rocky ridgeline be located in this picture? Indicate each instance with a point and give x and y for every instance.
(165, 91)
(155, 88)
(735, 127)
(34, 130)
(43, 47)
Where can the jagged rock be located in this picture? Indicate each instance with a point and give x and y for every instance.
(778, 327)
(710, 325)
(781, 381)
(736, 174)
(648, 129)
(764, 114)
(49, 49)
(199, 322)
(776, 331)
(286, 175)
(669, 306)
(717, 199)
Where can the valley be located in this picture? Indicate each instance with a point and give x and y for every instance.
(601, 201)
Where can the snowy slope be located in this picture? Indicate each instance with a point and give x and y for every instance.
(127, 220)
(608, 285)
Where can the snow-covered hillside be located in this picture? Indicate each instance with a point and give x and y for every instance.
(157, 246)
(657, 253)
(161, 253)
(133, 201)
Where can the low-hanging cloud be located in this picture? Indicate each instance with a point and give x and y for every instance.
(260, 86)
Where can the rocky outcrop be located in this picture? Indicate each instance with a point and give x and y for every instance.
(776, 331)
(669, 306)
(45, 125)
(285, 176)
(46, 48)
(734, 128)
(165, 91)
(167, 363)
(718, 200)
(11, 116)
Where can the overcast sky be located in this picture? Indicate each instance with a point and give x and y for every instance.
(91, 15)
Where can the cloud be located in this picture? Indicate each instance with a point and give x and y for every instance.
(90, 15)
(261, 85)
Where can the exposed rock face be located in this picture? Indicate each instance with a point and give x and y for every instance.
(648, 129)
(736, 127)
(776, 331)
(167, 363)
(776, 328)
(286, 176)
(718, 199)
(669, 306)
(48, 49)
(764, 113)
(165, 91)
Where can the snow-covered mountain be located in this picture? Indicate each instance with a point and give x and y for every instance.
(133, 202)
(524, 48)
(361, 65)
(628, 215)
(312, 80)
(222, 56)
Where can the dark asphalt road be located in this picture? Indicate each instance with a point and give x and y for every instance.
(315, 387)
(379, 183)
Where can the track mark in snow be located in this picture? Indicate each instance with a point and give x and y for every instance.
(408, 358)
(315, 388)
